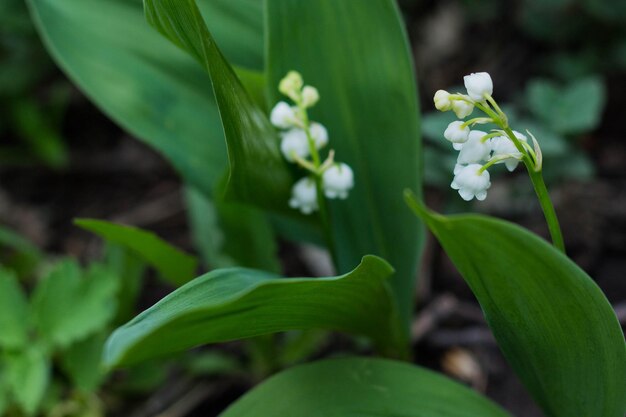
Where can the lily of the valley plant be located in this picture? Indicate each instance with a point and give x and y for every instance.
(480, 150)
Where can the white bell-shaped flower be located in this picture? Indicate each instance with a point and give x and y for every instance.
(457, 134)
(471, 182)
(478, 85)
(310, 96)
(319, 134)
(294, 143)
(462, 108)
(304, 196)
(338, 180)
(283, 116)
(442, 100)
(474, 151)
(503, 146)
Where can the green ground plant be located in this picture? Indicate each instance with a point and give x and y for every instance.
(206, 93)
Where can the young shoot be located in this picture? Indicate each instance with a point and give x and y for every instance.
(479, 150)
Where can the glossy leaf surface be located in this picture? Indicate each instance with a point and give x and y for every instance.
(237, 303)
(552, 322)
(362, 387)
(174, 265)
(358, 58)
(258, 172)
(148, 86)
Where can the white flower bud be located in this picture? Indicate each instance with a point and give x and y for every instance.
(294, 141)
(456, 133)
(304, 196)
(474, 150)
(462, 108)
(337, 181)
(478, 85)
(283, 115)
(319, 134)
(310, 96)
(470, 182)
(291, 84)
(503, 146)
(442, 100)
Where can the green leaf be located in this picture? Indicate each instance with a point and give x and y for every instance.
(27, 374)
(130, 270)
(258, 172)
(230, 234)
(362, 387)
(81, 362)
(148, 86)
(69, 305)
(358, 58)
(174, 265)
(237, 303)
(552, 322)
(575, 108)
(14, 324)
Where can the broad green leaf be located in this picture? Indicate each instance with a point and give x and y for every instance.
(575, 108)
(174, 265)
(14, 324)
(237, 303)
(145, 84)
(258, 173)
(27, 374)
(362, 387)
(81, 362)
(552, 322)
(230, 234)
(358, 58)
(69, 304)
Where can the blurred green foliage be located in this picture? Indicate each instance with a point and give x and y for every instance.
(30, 115)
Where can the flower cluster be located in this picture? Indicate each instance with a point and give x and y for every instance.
(479, 150)
(301, 140)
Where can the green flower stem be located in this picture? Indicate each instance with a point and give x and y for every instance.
(542, 192)
(321, 199)
(487, 110)
(548, 208)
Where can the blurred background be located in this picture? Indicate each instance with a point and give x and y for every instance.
(559, 70)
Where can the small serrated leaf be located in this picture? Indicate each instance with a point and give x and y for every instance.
(13, 312)
(27, 374)
(68, 306)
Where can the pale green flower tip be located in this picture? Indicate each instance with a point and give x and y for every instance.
(442, 100)
(291, 84)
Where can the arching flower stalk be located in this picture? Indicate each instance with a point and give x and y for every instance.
(479, 150)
